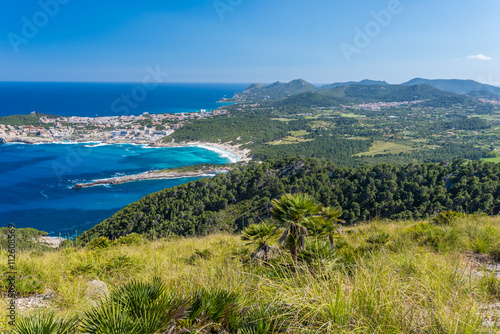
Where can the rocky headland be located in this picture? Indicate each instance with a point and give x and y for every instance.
(153, 175)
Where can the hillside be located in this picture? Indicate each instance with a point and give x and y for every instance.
(231, 201)
(365, 82)
(456, 86)
(25, 120)
(407, 277)
(275, 90)
(279, 90)
(359, 94)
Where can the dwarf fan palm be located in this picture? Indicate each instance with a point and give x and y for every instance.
(139, 308)
(297, 211)
(260, 234)
(44, 323)
(329, 222)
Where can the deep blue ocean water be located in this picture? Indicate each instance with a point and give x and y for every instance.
(91, 99)
(36, 180)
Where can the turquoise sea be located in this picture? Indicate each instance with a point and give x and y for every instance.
(36, 180)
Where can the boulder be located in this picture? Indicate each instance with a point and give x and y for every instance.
(96, 290)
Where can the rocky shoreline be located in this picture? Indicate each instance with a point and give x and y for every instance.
(24, 140)
(152, 176)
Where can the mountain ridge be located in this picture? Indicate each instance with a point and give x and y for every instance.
(279, 90)
(456, 85)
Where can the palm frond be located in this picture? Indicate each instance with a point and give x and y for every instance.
(137, 307)
(44, 323)
(260, 233)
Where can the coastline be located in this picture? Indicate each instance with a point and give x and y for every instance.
(152, 175)
(232, 152)
(236, 154)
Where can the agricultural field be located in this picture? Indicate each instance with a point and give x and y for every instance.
(380, 147)
(497, 159)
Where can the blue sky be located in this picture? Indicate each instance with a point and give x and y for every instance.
(321, 41)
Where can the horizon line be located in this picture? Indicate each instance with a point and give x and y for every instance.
(229, 82)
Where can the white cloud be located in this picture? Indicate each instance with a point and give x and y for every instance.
(479, 57)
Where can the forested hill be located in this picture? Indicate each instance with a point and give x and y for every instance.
(456, 86)
(231, 201)
(358, 94)
(367, 91)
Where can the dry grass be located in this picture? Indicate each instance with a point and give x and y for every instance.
(383, 277)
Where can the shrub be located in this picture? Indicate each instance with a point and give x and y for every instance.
(131, 239)
(137, 307)
(491, 286)
(44, 323)
(425, 234)
(199, 255)
(99, 243)
(214, 309)
(28, 286)
(67, 243)
(447, 217)
(378, 239)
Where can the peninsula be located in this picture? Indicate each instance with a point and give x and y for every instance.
(176, 173)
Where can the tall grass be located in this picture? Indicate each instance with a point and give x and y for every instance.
(382, 277)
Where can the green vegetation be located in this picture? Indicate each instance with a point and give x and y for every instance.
(299, 133)
(229, 202)
(380, 277)
(380, 147)
(25, 120)
(192, 168)
(343, 163)
(258, 129)
(298, 212)
(496, 160)
(352, 115)
(358, 94)
(26, 239)
(167, 140)
(323, 123)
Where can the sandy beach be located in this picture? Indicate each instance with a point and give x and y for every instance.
(222, 149)
(232, 152)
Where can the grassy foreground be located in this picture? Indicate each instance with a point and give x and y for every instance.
(382, 277)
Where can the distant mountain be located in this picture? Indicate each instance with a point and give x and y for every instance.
(365, 82)
(483, 94)
(280, 90)
(456, 86)
(365, 88)
(276, 90)
(359, 94)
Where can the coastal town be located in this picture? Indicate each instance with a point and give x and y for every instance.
(145, 128)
